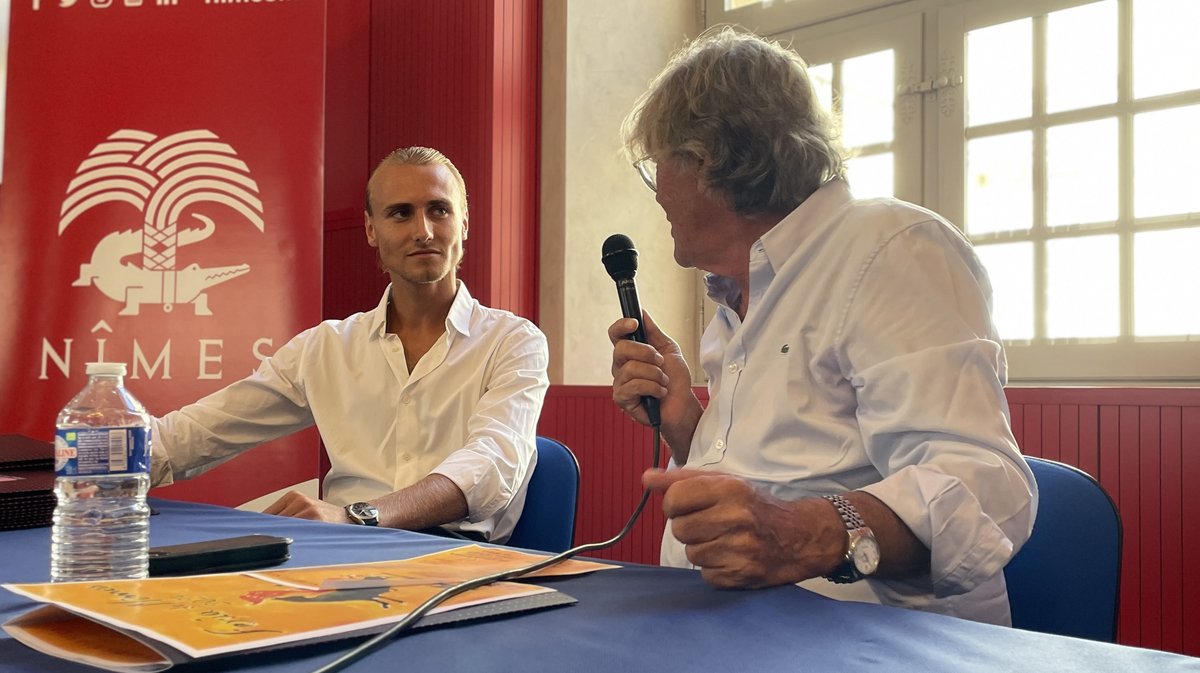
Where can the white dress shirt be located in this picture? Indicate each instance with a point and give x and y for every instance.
(868, 361)
(468, 410)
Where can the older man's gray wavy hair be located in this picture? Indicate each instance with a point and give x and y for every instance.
(747, 106)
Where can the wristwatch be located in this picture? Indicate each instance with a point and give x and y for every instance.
(862, 551)
(363, 513)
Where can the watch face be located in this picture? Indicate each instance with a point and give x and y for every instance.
(866, 555)
(364, 512)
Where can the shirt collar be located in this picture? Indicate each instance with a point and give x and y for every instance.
(782, 241)
(458, 319)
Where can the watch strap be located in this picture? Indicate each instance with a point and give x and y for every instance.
(850, 515)
(856, 529)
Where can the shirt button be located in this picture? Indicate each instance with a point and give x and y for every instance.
(405, 400)
(407, 457)
(733, 367)
(720, 443)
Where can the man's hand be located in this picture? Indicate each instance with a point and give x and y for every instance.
(740, 537)
(300, 506)
(658, 370)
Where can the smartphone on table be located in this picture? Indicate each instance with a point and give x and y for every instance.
(245, 552)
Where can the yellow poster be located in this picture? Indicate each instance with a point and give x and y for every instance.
(207, 615)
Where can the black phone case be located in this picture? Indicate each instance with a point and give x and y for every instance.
(216, 556)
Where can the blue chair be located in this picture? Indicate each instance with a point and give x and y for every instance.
(548, 521)
(1066, 579)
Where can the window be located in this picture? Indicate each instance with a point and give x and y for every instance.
(1076, 141)
(859, 91)
(1063, 136)
(782, 14)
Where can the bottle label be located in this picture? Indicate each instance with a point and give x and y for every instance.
(87, 451)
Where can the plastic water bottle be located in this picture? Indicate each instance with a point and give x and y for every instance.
(102, 461)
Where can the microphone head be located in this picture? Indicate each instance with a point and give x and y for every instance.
(619, 257)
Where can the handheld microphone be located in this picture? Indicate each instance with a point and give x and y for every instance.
(620, 260)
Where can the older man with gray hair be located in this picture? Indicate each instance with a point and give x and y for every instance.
(857, 436)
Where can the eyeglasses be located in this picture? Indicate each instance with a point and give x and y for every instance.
(647, 167)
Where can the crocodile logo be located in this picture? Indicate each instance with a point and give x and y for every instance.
(161, 177)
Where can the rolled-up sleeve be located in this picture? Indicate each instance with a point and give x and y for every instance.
(500, 452)
(928, 371)
(268, 404)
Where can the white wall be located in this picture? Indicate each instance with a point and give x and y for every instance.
(597, 59)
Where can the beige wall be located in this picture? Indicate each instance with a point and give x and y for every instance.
(598, 56)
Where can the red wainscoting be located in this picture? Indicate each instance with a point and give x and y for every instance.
(613, 451)
(1142, 444)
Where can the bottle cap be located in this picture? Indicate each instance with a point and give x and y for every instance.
(106, 368)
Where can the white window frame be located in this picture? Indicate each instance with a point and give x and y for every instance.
(770, 17)
(1125, 359)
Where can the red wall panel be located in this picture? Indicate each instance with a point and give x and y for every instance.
(463, 76)
(1130, 622)
(347, 107)
(1171, 546)
(1189, 524)
(612, 452)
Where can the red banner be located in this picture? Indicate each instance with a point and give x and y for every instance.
(161, 206)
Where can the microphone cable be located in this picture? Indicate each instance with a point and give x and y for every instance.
(421, 610)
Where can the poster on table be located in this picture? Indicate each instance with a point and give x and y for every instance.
(151, 624)
(160, 205)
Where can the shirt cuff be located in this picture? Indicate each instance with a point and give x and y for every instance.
(966, 547)
(480, 482)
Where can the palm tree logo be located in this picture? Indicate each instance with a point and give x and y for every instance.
(162, 178)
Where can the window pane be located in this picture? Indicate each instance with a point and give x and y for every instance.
(1166, 53)
(872, 175)
(868, 93)
(1166, 162)
(1010, 269)
(1081, 56)
(1166, 285)
(999, 73)
(1082, 287)
(999, 183)
(1081, 172)
(822, 80)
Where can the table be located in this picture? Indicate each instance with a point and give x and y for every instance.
(635, 618)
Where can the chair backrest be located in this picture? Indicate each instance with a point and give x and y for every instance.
(1066, 578)
(548, 521)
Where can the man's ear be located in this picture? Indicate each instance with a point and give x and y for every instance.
(369, 227)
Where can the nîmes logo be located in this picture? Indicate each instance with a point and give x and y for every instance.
(162, 178)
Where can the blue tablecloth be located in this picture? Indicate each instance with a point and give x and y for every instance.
(636, 618)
